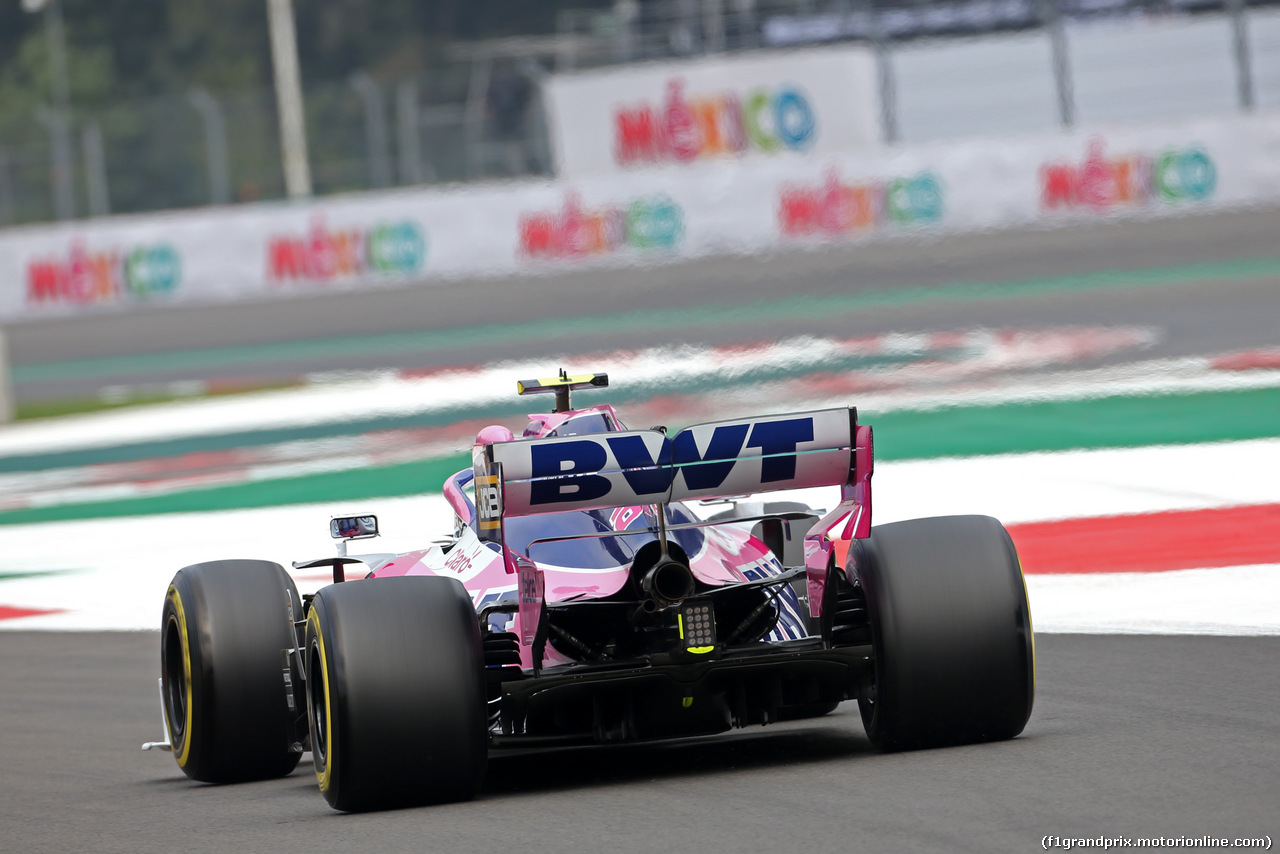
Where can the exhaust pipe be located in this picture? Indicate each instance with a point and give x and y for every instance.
(668, 583)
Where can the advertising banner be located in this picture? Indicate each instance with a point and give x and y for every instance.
(667, 211)
(784, 105)
(258, 251)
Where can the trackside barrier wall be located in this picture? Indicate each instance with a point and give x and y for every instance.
(748, 203)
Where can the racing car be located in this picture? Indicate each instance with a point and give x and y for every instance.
(602, 585)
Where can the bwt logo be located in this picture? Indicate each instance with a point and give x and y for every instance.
(570, 470)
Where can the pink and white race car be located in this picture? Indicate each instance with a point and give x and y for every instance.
(583, 599)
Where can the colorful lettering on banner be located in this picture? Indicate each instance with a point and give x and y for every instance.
(654, 222)
(833, 208)
(683, 129)
(326, 254)
(1100, 183)
(85, 277)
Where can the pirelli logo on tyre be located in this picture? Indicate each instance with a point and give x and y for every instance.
(489, 501)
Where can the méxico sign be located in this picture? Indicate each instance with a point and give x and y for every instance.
(325, 254)
(82, 275)
(1104, 181)
(764, 105)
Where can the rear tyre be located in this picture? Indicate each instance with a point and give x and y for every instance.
(224, 627)
(395, 693)
(951, 629)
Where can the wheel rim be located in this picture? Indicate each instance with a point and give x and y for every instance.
(175, 681)
(316, 698)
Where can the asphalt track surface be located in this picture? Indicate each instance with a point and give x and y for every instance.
(1181, 275)
(1130, 736)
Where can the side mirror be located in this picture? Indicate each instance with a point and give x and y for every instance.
(353, 527)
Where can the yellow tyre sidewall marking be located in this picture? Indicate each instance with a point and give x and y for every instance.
(176, 599)
(325, 777)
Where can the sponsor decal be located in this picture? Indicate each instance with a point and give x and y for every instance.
(643, 466)
(326, 254)
(86, 277)
(569, 471)
(1101, 182)
(469, 558)
(833, 207)
(489, 501)
(683, 129)
(531, 592)
(622, 517)
(650, 222)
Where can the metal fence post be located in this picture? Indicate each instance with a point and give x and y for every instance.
(7, 408)
(1061, 58)
(8, 204)
(289, 106)
(95, 170)
(474, 112)
(59, 127)
(59, 118)
(215, 144)
(375, 129)
(888, 82)
(712, 26)
(1244, 65)
(409, 130)
(537, 140)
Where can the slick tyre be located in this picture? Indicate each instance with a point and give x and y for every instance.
(951, 632)
(224, 627)
(395, 693)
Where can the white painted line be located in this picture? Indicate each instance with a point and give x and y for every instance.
(956, 357)
(124, 565)
(1072, 484)
(1242, 600)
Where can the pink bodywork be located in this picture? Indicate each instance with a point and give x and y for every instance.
(728, 553)
(824, 549)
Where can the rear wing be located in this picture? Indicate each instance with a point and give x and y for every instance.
(713, 460)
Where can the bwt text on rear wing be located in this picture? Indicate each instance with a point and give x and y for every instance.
(713, 460)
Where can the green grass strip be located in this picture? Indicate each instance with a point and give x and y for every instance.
(6, 575)
(1107, 422)
(1111, 422)
(355, 485)
(509, 410)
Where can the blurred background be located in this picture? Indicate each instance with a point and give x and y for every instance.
(297, 252)
(263, 262)
(144, 106)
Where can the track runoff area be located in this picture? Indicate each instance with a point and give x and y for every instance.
(1142, 496)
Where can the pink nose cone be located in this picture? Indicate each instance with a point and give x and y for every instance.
(494, 433)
